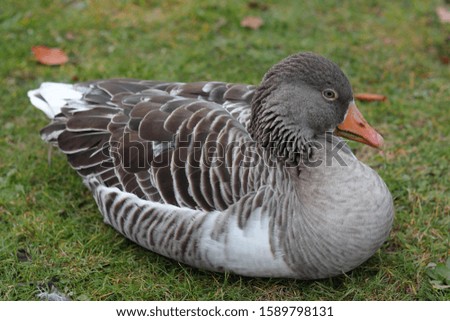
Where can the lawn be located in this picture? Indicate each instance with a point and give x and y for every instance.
(52, 234)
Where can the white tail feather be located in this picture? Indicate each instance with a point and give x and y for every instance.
(51, 97)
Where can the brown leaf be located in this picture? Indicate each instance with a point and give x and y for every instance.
(444, 59)
(70, 36)
(49, 56)
(443, 14)
(257, 5)
(370, 97)
(251, 22)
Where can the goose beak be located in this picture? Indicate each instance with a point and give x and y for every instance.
(355, 127)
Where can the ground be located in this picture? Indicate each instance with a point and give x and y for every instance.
(52, 235)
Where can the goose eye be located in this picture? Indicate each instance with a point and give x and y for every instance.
(329, 94)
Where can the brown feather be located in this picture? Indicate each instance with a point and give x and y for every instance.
(163, 177)
(176, 118)
(71, 142)
(114, 87)
(152, 127)
(90, 122)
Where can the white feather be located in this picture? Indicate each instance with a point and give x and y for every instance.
(246, 250)
(51, 97)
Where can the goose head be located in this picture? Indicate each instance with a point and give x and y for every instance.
(302, 97)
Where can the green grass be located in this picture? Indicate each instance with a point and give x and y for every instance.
(51, 231)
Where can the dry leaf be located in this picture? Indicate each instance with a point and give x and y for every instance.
(257, 5)
(70, 36)
(443, 14)
(252, 22)
(49, 56)
(370, 97)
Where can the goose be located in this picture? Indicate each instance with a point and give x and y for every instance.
(252, 180)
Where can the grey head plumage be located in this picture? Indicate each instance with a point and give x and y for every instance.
(302, 96)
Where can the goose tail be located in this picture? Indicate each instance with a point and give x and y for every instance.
(50, 98)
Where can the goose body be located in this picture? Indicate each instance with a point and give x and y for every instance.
(229, 177)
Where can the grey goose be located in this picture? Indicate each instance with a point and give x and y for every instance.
(253, 180)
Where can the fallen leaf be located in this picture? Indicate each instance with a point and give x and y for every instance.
(70, 36)
(402, 152)
(443, 14)
(257, 5)
(220, 23)
(49, 56)
(252, 22)
(370, 97)
(388, 41)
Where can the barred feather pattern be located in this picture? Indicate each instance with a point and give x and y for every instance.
(179, 169)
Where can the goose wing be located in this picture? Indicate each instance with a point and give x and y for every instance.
(173, 143)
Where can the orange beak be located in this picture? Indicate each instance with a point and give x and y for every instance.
(355, 127)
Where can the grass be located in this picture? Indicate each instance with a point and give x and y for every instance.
(51, 231)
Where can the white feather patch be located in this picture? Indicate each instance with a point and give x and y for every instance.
(51, 97)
